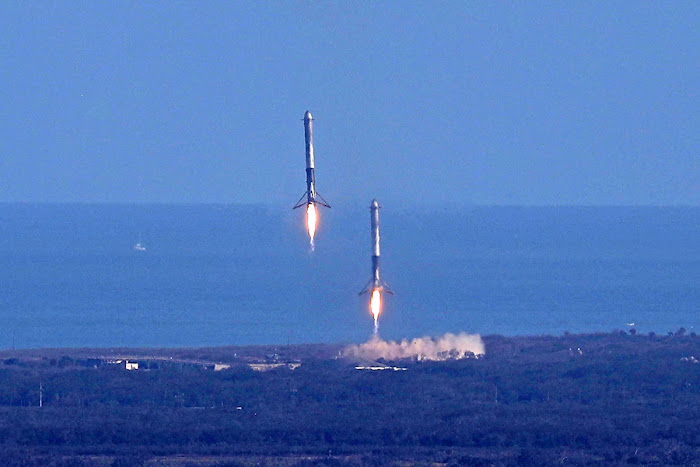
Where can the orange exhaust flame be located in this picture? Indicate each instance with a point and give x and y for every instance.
(375, 306)
(311, 221)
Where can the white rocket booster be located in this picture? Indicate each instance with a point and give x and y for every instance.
(375, 283)
(312, 197)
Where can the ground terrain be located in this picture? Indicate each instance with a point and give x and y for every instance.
(609, 398)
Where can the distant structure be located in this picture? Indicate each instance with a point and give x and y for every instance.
(380, 367)
(273, 366)
(124, 364)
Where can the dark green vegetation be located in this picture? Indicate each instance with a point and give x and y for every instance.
(531, 400)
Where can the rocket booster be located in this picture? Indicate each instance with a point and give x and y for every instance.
(312, 197)
(375, 283)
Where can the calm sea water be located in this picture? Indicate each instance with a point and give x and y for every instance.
(232, 275)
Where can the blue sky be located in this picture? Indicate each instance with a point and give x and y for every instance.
(534, 103)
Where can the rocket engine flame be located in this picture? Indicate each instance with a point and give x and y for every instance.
(375, 307)
(311, 220)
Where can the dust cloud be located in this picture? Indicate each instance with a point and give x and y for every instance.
(446, 347)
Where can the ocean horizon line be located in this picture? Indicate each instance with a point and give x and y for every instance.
(440, 205)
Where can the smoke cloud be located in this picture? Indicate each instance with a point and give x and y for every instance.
(447, 347)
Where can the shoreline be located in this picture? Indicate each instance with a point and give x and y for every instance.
(318, 350)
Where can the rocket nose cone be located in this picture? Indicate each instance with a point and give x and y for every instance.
(375, 204)
(308, 116)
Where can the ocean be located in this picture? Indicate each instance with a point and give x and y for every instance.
(216, 275)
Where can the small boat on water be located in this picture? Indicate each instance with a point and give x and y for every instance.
(139, 247)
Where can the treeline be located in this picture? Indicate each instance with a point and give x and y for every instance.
(606, 398)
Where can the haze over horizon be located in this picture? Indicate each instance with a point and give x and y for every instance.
(414, 104)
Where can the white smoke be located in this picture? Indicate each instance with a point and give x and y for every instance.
(447, 347)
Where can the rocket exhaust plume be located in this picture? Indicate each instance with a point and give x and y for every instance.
(375, 285)
(375, 306)
(446, 347)
(311, 223)
(310, 198)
